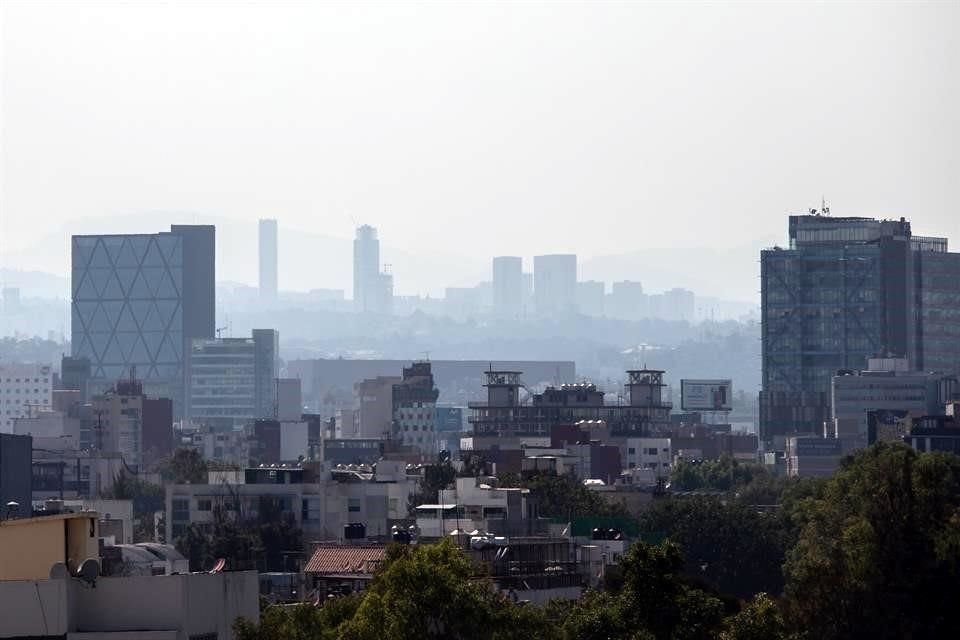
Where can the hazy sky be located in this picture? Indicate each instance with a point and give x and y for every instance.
(481, 128)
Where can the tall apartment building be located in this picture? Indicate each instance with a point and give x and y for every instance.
(74, 373)
(268, 259)
(24, 389)
(627, 300)
(845, 290)
(555, 284)
(372, 289)
(233, 380)
(138, 301)
(590, 297)
(128, 423)
(373, 417)
(508, 287)
(415, 408)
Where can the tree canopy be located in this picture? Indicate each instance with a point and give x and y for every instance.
(564, 496)
(878, 553)
(872, 552)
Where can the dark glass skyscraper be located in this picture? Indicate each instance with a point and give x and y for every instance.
(137, 302)
(848, 289)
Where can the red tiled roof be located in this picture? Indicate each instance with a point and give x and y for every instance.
(345, 559)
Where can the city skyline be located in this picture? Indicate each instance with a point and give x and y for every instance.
(678, 142)
(549, 319)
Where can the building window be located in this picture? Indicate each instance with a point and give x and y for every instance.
(204, 505)
(181, 510)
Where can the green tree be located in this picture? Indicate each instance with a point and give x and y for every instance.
(425, 591)
(184, 466)
(299, 622)
(263, 543)
(759, 619)
(724, 474)
(435, 477)
(147, 499)
(878, 553)
(730, 546)
(660, 601)
(655, 602)
(598, 615)
(565, 496)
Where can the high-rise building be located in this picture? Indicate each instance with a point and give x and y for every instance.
(508, 287)
(137, 303)
(555, 284)
(628, 301)
(414, 409)
(590, 297)
(268, 259)
(366, 269)
(24, 389)
(845, 290)
(74, 373)
(119, 426)
(937, 300)
(233, 380)
(677, 304)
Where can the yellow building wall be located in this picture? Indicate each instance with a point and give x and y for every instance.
(28, 549)
(82, 542)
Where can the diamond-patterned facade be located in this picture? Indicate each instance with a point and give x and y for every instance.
(127, 309)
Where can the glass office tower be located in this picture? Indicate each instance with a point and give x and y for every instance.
(137, 302)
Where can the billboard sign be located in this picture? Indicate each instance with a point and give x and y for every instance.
(706, 395)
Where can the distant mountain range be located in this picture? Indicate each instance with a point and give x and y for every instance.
(314, 261)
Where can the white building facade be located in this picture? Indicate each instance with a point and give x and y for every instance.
(648, 453)
(25, 389)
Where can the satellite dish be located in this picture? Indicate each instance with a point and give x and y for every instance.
(89, 571)
(218, 567)
(59, 571)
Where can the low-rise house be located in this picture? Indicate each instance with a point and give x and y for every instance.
(339, 569)
(475, 505)
(319, 498)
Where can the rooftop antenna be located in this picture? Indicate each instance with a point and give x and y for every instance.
(89, 571)
(824, 209)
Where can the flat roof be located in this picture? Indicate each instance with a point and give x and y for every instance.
(50, 517)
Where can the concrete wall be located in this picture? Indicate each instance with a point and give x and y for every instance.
(189, 604)
(293, 440)
(123, 635)
(33, 608)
